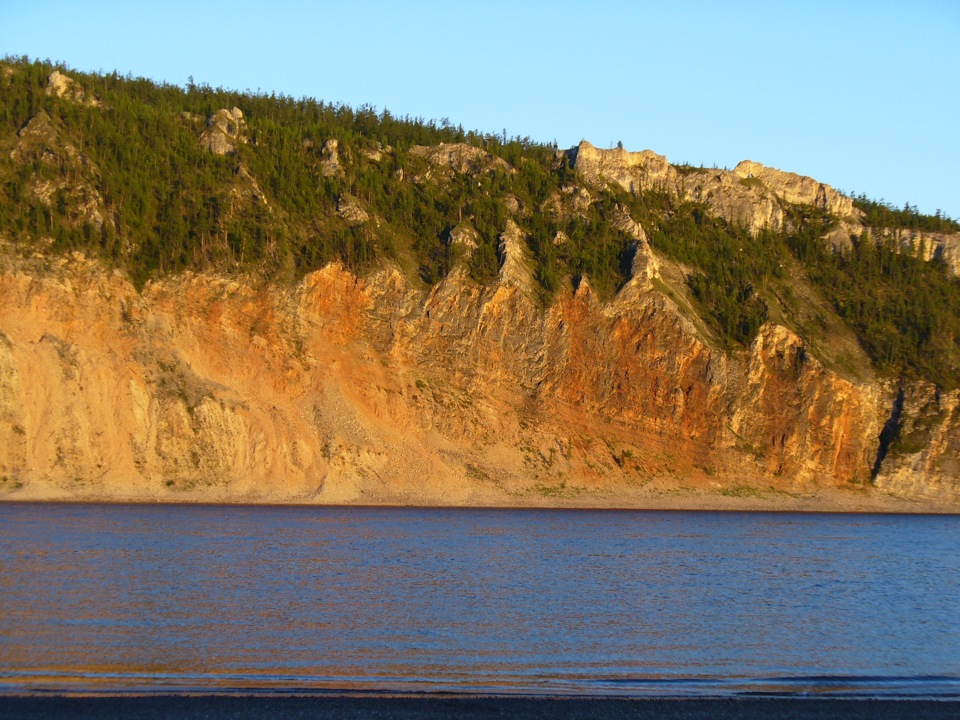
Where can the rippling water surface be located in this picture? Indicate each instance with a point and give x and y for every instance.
(112, 597)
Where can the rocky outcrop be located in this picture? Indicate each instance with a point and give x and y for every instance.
(515, 268)
(246, 190)
(928, 246)
(569, 200)
(63, 86)
(459, 158)
(225, 130)
(352, 212)
(798, 189)
(751, 195)
(635, 172)
(330, 158)
(66, 179)
(923, 457)
(643, 263)
(465, 237)
(744, 202)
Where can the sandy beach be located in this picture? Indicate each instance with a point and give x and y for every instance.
(741, 499)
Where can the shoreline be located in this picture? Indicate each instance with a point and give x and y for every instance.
(214, 707)
(832, 501)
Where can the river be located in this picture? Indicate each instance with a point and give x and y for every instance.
(122, 598)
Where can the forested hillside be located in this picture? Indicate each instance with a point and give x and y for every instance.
(156, 179)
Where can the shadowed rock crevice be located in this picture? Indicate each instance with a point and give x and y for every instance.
(890, 432)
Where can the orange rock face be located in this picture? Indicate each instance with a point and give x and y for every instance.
(346, 389)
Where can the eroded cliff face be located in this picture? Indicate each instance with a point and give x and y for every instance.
(347, 389)
(807, 421)
(224, 387)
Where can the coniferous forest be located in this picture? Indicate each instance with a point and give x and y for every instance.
(115, 168)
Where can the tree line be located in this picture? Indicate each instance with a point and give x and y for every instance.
(272, 207)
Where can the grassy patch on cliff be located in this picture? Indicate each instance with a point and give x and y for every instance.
(905, 311)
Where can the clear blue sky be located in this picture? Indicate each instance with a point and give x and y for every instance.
(862, 95)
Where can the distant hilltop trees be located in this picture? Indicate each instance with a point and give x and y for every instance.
(157, 179)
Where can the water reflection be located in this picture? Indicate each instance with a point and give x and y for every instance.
(144, 596)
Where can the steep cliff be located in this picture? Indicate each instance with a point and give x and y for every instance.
(348, 389)
(353, 309)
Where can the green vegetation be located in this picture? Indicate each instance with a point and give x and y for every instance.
(743, 491)
(127, 180)
(882, 215)
(172, 205)
(729, 266)
(917, 437)
(560, 490)
(905, 311)
(9, 483)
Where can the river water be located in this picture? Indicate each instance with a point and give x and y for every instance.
(146, 597)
